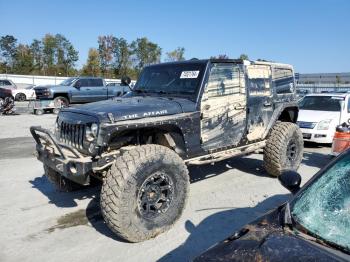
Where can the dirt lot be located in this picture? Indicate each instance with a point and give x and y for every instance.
(40, 224)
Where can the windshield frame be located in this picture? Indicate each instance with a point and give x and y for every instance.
(308, 184)
(192, 96)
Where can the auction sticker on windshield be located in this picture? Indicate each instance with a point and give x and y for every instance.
(189, 74)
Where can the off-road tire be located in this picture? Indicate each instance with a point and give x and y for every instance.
(123, 183)
(61, 183)
(277, 152)
(63, 100)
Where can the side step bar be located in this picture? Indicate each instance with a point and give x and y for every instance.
(222, 155)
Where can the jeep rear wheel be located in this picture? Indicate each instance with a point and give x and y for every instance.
(284, 148)
(144, 192)
(61, 183)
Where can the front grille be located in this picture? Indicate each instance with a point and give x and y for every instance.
(41, 92)
(307, 125)
(72, 134)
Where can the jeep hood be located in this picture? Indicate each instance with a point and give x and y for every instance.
(134, 108)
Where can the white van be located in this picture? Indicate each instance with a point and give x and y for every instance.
(319, 114)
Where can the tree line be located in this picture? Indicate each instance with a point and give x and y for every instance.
(55, 55)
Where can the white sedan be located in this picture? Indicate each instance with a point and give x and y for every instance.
(319, 114)
(22, 94)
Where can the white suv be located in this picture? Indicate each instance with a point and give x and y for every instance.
(320, 114)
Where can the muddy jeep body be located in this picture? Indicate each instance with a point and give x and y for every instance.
(208, 111)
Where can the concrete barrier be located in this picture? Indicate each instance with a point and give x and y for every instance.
(25, 80)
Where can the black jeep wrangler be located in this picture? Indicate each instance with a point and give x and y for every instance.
(178, 114)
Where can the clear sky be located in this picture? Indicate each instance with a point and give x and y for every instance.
(313, 35)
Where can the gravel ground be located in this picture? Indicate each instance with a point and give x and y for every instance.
(41, 224)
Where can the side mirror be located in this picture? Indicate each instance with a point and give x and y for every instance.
(291, 180)
(126, 81)
(77, 85)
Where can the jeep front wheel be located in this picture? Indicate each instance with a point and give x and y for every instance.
(144, 192)
(284, 148)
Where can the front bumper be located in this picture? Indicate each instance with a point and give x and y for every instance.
(64, 159)
(317, 136)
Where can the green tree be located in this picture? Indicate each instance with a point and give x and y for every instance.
(122, 57)
(244, 57)
(106, 45)
(66, 55)
(36, 49)
(145, 53)
(92, 66)
(49, 50)
(71, 58)
(8, 48)
(176, 55)
(23, 63)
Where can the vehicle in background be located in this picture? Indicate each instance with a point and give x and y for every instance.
(312, 226)
(39, 107)
(77, 90)
(341, 140)
(301, 93)
(4, 92)
(22, 94)
(320, 114)
(8, 84)
(120, 89)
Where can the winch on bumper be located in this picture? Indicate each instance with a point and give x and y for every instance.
(65, 159)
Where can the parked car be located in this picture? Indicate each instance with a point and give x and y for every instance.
(6, 83)
(78, 90)
(313, 226)
(4, 92)
(319, 115)
(22, 94)
(302, 92)
(120, 89)
(182, 113)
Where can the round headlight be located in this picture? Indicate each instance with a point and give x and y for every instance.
(94, 129)
(91, 132)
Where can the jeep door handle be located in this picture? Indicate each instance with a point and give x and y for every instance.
(267, 104)
(206, 107)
